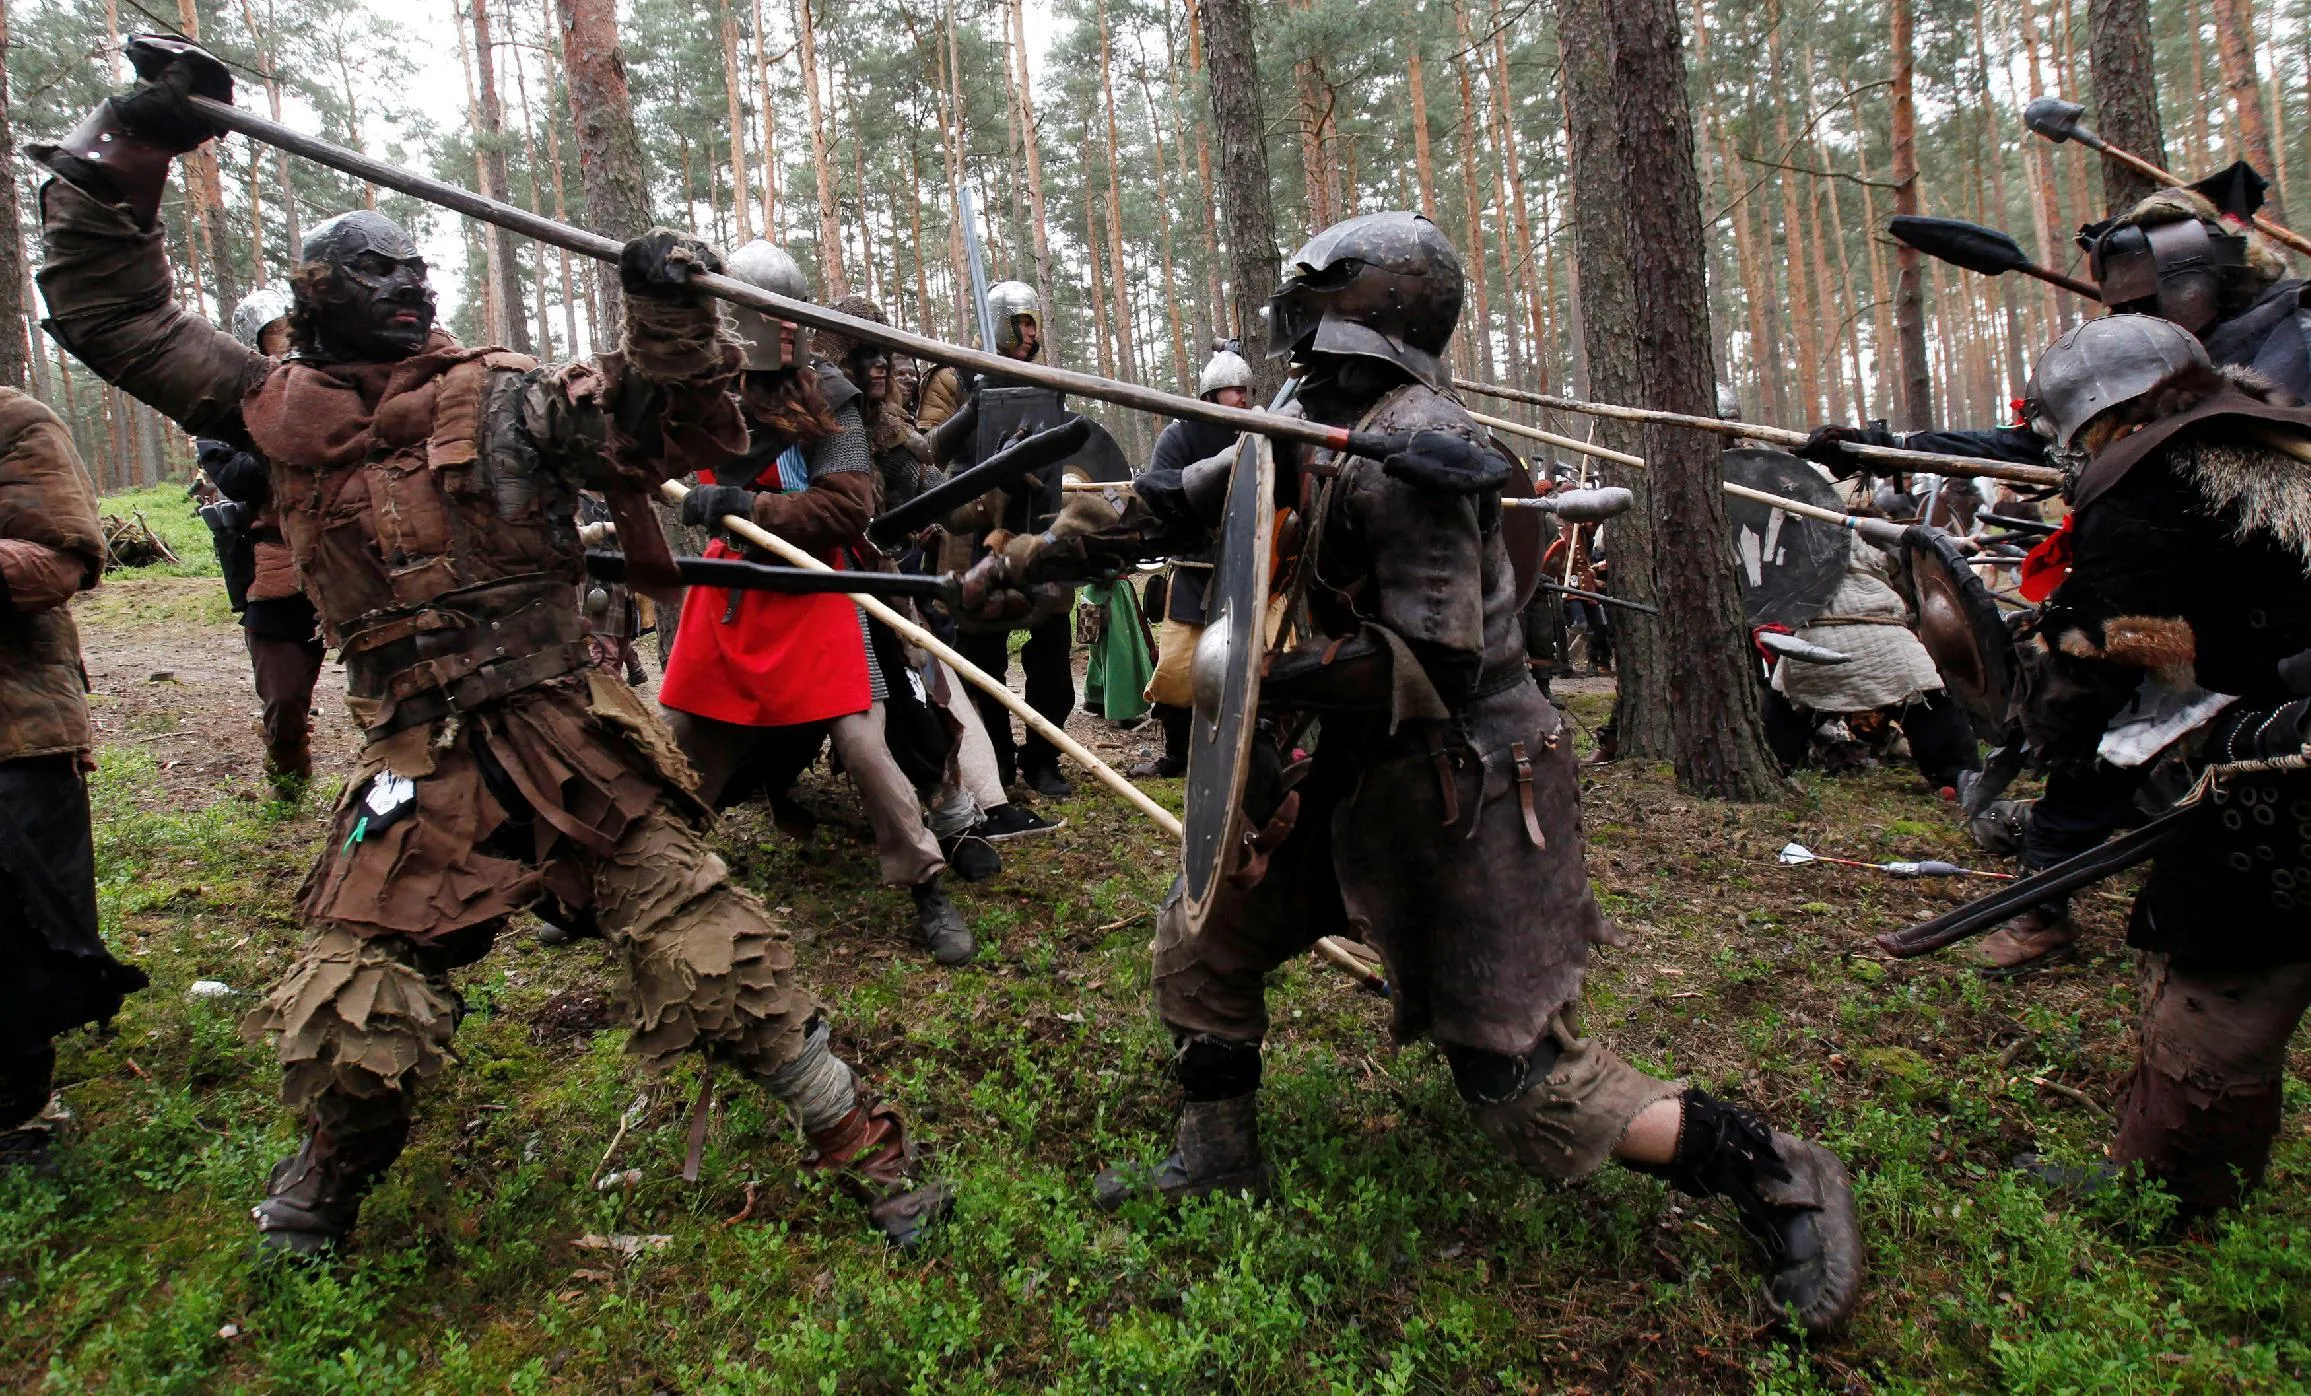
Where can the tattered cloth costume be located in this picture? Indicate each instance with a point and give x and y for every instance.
(429, 504)
(55, 973)
(2192, 566)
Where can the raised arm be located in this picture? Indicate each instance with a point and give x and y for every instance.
(105, 277)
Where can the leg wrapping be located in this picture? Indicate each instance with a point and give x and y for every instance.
(1572, 1110)
(816, 1085)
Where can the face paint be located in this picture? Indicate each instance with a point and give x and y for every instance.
(375, 305)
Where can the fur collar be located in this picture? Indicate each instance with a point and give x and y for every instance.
(2270, 489)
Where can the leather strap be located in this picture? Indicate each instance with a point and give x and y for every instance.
(1525, 795)
(485, 684)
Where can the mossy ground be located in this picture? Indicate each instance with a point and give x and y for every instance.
(1400, 1253)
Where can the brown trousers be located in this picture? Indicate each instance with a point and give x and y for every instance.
(707, 968)
(285, 672)
(2204, 1102)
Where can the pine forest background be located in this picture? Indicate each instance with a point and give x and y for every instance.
(846, 130)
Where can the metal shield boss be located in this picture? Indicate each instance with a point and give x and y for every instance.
(1790, 566)
(1226, 678)
(1960, 626)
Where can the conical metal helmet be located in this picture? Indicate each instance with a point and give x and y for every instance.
(765, 265)
(2103, 364)
(259, 308)
(1226, 369)
(1006, 302)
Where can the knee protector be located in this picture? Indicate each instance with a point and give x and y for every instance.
(1211, 1068)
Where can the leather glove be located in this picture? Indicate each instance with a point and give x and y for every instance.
(705, 505)
(659, 264)
(2242, 733)
(992, 591)
(1448, 464)
(948, 439)
(1822, 446)
(168, 71)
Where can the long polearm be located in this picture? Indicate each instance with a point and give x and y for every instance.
(1929, 461)
(2057, 121)
(227, 117)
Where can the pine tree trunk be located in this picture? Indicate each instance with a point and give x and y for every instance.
(1127, 356)
(609, 148)
(537, 205)
(1091, 254)
(1851, 333)
(1031, 137)
(769, 104)
(14, 345)
(2126, 103)
(1478, 331)
(205, 197)
(958, 262)
(830, 233)
(1255, 267)
(2235, 48)
(505, 260)
(1182, 366)
(1803, 322)
(1521, 271)
(554, 168)
(1688, 690)
(741, 202)
(1213, 263)
(1917, 396)
(1424, 169)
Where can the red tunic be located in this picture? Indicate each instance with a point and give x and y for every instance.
(781, 660)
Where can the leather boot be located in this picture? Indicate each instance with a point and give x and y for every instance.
(315, 1194)
(1216, 1149)
(289, 766)
(26, 1126)
(940, 926)
(868, 1150)
(2037, 938)
(1791, 1195)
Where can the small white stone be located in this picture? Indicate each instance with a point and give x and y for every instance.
(210, 989)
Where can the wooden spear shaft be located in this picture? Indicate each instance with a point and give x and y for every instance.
(972, 674)
(1930, 461)
(587, 244)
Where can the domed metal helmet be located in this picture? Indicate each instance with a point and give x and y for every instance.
(2103, 364)
(1226, 369)
(1728, 403)
(264, 306)
(1384, 285)
(767, 266)
(1006, 302)
(2178, 271)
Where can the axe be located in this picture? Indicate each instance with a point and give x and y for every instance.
(1001, 469)
(1983, 251)
(2057, 120)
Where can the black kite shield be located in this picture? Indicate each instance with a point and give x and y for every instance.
(1790, 567)
(1227, 679)
(1960, 626)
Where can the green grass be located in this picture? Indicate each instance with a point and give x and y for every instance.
(172, 516)
(1399, 1255)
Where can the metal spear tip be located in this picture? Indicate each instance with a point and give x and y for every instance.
(2057, 120)
(1793, 854)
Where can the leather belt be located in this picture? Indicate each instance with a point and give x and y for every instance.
(429, 674)
(484, 684)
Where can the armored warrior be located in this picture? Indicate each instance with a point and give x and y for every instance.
(750, 667)
(2183, 634)
(1438, 819)
(427, 495)
(1226, 380)
(963, 432)
(277, 623)
(55, 973)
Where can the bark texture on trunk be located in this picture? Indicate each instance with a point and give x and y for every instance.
(1916, 399)
(609, 148)
(1625, 92)
(1254, 266)
(16, 335)
(506, 263)
(2235, 49)
(2126, 94)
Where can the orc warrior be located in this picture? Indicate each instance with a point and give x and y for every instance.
(427, 494)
